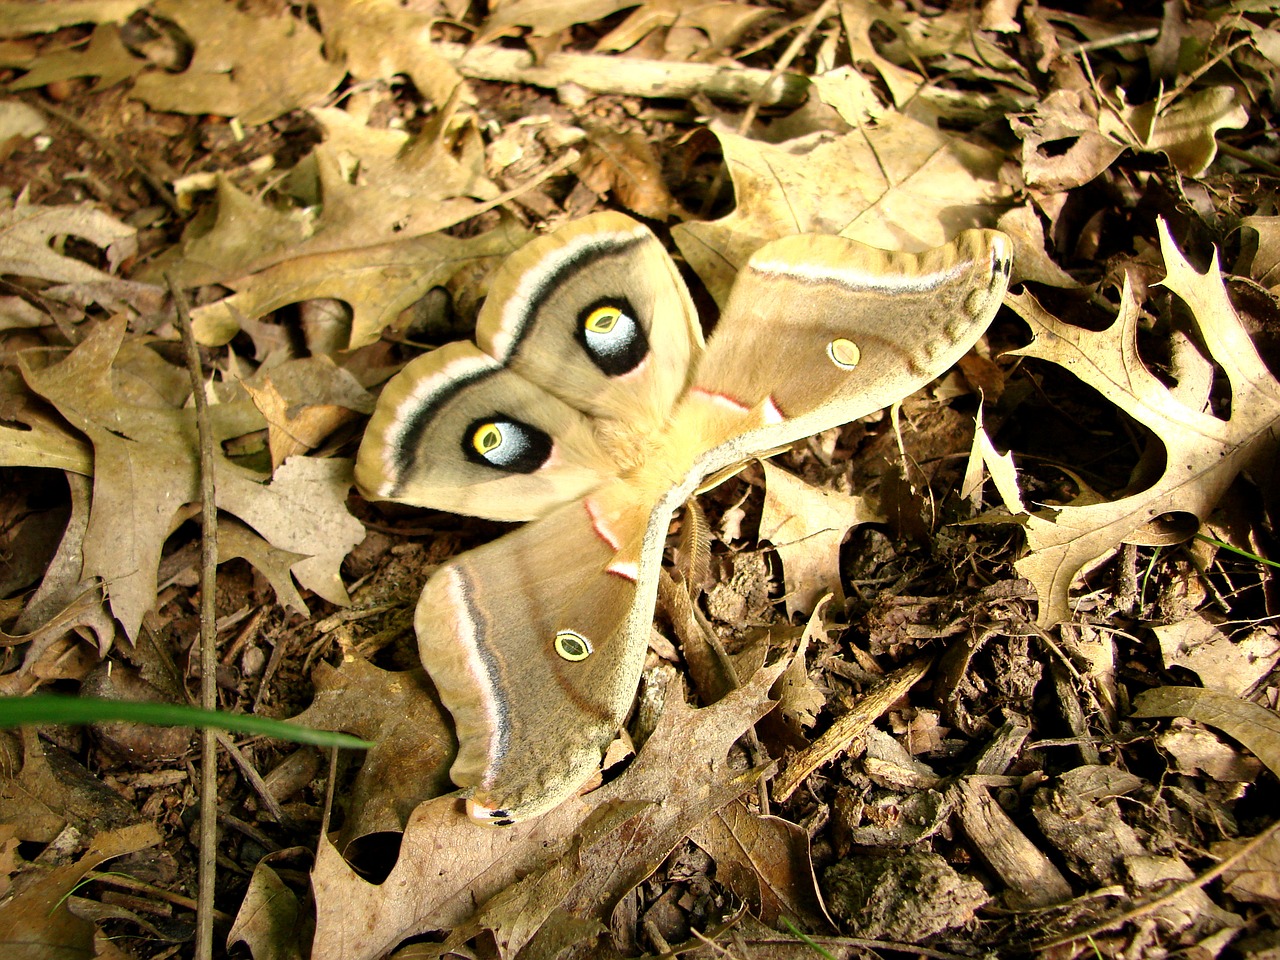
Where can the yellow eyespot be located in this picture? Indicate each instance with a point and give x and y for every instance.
(572, 646)
(602, 320)
(844, 353)
(486, 438)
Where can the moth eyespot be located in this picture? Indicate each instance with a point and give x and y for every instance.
(602, 319)
(486, 438)
(506, 443)
(613, 339)
(573, 647)
(844, 353)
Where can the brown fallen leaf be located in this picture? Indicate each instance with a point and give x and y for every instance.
(1031, 261)
(806, 525)
(575, 862)
(413, 743)
(235, 540)
(1231, 665)
(799, 698)
(36, 923)
(378, 283)
(252, 68)
(1062, 144)
(903, 186)
(1254, 726)
(303, 508)
(234, 236)
(545, 19)
(105, 58)
(1260, 250)
(52, 790)
(1184, 129)
(48, 443)
(145, 472)
(27, 230)
(269, 919)
(985, 460)
(381, 38)
(952, 35)
(303, 401)
(691, 31)
(766, 862)
(1203, 453)
(18, 18)
(1252, 875)
(63, 600)
(625, 165)
(1196, 751)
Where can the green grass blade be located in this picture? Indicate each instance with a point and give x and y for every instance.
(44, 708)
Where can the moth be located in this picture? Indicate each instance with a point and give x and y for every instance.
(590, 406)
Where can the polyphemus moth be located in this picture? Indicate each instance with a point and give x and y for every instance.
(590, 406)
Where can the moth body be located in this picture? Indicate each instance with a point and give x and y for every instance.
(590, 406)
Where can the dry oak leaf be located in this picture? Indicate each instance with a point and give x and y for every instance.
(547, 17)
(270, 917)
(27, 232)
(625, 165)
(382, 197)
(692, 29)
(146, 470)
(232, 237)
(235, 540)
(1231, 665)
(1023, 226)
(253, 68)
(766, 862)
(951, 36)
(413, 744)
(806, 525)
(566, 869)
(303, 508)
(1203, 454)
(304, 401)
(105, 58)
(63, 602)
(1184, 130)
(46, 443)
(377, 185)
(37, 921)
(378, 283)
(1260, 250)
(850, 94)
(799, 698)
(1256, 727)
(1063, 145)
(53, 790)
(860, 20)
(19, 18)
(897, 185)
(378, 39)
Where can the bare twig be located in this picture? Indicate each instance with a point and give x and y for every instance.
(208, 637)
(150, 889)
(627, 76)
(870, 706)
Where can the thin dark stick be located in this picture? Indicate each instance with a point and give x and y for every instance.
(208, 637)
